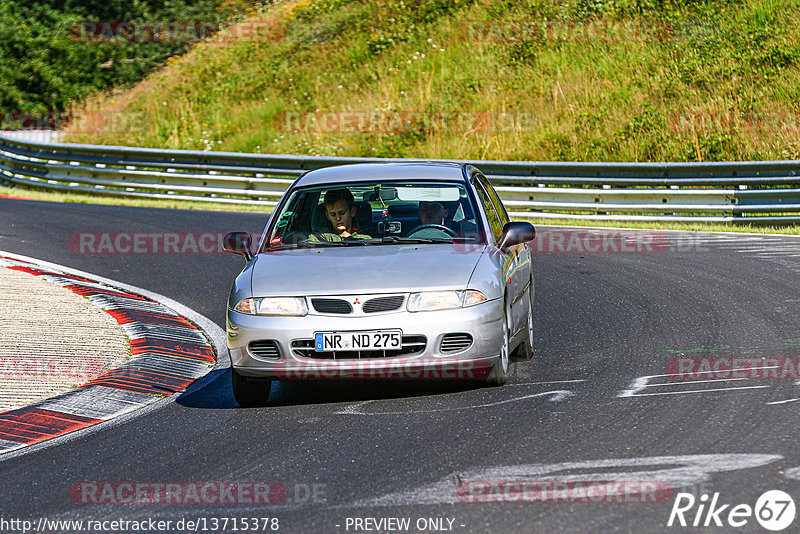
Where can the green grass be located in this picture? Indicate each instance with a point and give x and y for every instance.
(704, 81)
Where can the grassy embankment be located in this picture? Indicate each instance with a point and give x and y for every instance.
(629, 94)
(655, 81)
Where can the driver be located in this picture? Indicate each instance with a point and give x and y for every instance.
(432, 213)
(340, 211)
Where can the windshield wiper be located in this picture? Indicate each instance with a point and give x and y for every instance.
(344, 243)
(389, 239)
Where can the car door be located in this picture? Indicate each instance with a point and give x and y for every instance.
(505, 260)
(518, 274)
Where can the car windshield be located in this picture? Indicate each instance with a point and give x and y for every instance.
(375, 213)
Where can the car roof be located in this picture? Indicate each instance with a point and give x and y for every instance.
(367, 172)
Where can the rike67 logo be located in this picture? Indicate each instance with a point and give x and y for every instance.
(774, 510)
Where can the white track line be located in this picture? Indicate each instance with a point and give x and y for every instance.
(355, 409)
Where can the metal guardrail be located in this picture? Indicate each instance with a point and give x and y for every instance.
(759, 192)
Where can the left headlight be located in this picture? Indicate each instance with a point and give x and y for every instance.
(272, 306)
(444, 300)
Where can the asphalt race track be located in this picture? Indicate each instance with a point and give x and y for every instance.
(596, 404)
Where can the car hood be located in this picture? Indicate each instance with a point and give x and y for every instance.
(363, 269)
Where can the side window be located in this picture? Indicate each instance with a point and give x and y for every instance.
(501, 210)
(491, 213)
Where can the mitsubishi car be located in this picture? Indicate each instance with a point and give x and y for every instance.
(381, 271)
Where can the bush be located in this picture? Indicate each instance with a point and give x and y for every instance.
(45, 66)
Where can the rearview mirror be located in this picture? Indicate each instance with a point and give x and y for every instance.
(515, 233)
(238, 243)
(380, 193)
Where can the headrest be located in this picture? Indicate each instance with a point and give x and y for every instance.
(363, 214)
(319, 222)
(403, 210)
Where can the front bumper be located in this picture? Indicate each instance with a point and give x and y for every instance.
(483, 322)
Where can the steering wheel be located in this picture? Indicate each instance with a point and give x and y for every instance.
(440, 227)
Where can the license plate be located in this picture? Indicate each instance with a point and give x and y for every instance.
(363, 340)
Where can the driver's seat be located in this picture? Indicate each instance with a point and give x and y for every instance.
(363, 220)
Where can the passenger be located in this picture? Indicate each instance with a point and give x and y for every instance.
(340, 211)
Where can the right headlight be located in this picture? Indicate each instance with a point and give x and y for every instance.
(272, 306)
(444, 300)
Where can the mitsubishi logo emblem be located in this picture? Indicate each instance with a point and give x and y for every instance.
(356, 301)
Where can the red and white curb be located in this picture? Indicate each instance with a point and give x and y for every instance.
(168, 353)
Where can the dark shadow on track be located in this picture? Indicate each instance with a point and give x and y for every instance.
(217, 394)
(292, 393)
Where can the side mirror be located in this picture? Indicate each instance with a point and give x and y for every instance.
(516, 233)
(238, 243)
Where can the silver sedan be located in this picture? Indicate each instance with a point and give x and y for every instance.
(384, 270)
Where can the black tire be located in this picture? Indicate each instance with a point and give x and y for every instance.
(526, 348)
(250, 391)
(499, 374)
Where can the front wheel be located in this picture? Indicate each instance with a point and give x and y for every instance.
(250, 391)
(499, 374)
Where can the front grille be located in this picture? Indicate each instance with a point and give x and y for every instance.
(383, 304)
(411, 345)
(455, 343)
(265, 348)
(332, 306)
